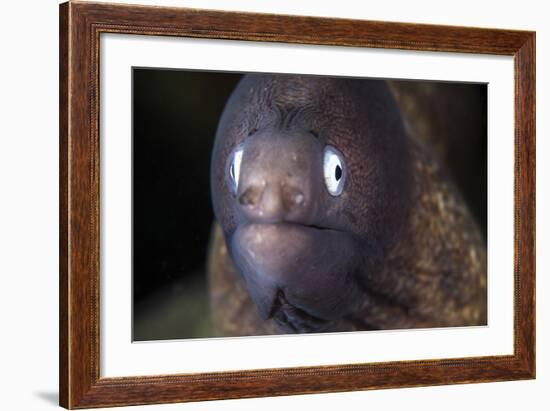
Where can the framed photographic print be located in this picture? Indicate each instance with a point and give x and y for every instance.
(256, 205)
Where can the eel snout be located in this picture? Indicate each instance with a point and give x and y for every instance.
(280, 178)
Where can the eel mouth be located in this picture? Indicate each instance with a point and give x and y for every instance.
(285, 230)
(283, 224)
(311, 226)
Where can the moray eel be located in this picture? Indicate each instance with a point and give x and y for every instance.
(332, 218)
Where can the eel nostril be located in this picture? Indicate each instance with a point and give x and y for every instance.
(292, 197)
(250, 196)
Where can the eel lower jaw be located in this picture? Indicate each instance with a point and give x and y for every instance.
(309, 263)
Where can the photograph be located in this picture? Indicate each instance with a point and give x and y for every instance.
(282, 203)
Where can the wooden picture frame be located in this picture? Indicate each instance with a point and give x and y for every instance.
(80, 27)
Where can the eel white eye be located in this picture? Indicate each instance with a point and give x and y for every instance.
(334, 170)
(235, 167)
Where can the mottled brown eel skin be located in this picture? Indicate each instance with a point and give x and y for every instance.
(427, 267)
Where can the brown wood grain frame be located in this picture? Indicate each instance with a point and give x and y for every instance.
(81, 24)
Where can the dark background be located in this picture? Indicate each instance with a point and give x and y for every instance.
(175, 115)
